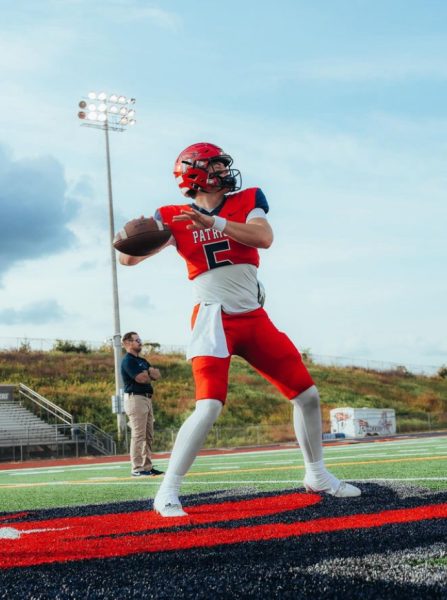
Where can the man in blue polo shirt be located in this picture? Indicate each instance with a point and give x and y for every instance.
(137, 376)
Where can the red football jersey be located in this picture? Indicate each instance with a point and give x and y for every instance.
(208, 248)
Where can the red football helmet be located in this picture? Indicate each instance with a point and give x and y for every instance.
(192, 170)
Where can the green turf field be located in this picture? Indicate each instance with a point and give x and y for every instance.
(422, 461)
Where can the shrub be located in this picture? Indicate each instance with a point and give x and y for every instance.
(68, 346)
(25, 346)
(402, 370)
(306, 355)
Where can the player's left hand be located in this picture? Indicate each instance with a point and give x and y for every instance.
(199, 220)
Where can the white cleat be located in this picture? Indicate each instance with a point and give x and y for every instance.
(342, 490)
(169, 508)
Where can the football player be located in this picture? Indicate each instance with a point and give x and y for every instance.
(218, 233)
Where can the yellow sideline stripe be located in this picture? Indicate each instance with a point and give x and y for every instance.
(231, 472)
(337, 464)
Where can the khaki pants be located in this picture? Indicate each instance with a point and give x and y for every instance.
(141, 421)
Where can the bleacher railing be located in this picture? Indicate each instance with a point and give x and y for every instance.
(61, 431)
(93, 437)
(68, 440)
(38, 404)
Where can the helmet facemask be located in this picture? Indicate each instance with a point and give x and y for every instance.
(218, 178)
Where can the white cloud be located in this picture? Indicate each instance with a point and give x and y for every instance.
(36, 208)
(41, 312)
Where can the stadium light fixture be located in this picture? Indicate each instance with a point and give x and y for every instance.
(107, 112)
(111, 112)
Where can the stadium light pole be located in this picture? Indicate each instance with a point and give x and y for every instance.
(112, 112)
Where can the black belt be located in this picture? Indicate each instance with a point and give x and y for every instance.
(146, 394)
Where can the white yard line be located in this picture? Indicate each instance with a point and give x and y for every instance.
(260, 463)
(225, 467)
(217, 465)
(327, 456)
(368, 449)
(403, 479)
(254, 482)
(58, 470)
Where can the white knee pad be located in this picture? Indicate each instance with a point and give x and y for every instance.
(208, 410)
(308, 399)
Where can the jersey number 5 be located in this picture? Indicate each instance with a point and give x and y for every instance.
(211, 252)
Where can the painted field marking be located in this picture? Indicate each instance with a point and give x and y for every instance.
(239, 482)
(64, 467)
(97, 479)
(366, 446)
(235, 457)
(370, 448)
(403, 479)
(418, 451)
(234, 467)
(295, 482)
(338, 464)
(58, 470)
(200, 473)
(328, 453)
(298, 459)
(370, 455)
(67, 469)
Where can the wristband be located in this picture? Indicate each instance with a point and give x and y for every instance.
(219, 223)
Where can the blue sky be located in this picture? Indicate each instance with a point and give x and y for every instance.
(336, 109)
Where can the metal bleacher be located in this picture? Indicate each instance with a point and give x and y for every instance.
(32, 426)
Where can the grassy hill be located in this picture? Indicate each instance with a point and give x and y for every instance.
(84, 383)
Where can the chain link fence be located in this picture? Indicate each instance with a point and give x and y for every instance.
(229, 437)
(47, 344)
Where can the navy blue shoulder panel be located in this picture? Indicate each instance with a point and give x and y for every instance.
(261, 201)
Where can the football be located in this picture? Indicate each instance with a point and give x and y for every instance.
(141, 236)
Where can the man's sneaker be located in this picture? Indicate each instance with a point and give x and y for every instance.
(169, 508)
(150, 473)
(154, 472)
(342, 490)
